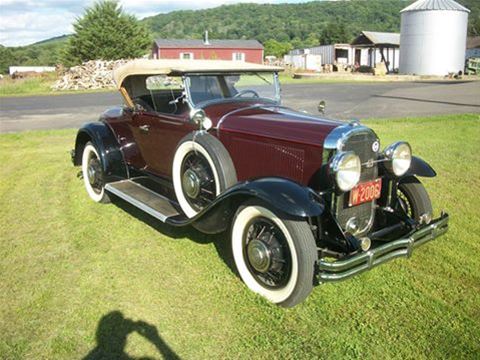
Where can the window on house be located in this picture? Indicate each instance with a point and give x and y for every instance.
(237, 56)
(186, 56)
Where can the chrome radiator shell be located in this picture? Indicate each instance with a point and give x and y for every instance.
(362, 141)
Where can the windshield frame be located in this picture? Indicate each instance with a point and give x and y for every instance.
(201, 104)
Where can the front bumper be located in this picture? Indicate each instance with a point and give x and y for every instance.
(356, 264)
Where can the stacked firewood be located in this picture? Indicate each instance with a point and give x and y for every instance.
(94, 74)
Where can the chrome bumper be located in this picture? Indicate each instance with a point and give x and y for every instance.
(343, 269)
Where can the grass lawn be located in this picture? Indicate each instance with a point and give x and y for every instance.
(36, 86)
(42, 85)
(332, 78)
(76, 275)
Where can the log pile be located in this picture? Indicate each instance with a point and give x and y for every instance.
(93, 74)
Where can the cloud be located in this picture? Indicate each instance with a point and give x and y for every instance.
(23, 22)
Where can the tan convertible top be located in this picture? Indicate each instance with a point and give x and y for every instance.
(180, 67)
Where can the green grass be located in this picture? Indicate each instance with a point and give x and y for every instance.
(31, 86)
(287, 78)
(27, 86)
(67, 265)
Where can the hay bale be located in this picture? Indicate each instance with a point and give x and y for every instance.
(380, 69)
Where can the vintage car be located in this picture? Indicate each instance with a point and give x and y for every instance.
(306, 200)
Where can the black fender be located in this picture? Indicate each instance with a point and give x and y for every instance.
(420, 167)
(282, 195)
(114, 166)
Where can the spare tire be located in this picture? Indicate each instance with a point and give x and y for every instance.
(202, 169)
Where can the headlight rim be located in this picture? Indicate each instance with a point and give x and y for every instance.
(335, 164)
(389, 153)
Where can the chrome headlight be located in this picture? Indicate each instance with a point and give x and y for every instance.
(346, 167)
(399, 156)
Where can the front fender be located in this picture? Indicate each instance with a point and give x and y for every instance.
(104, 139)
(281, 195)
(420, 167)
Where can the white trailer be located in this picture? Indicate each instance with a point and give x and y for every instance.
(341, 54)
(22, 69)
(309, 62)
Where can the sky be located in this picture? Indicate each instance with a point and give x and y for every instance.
(24, 22)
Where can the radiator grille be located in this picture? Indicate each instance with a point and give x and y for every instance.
(361, 144)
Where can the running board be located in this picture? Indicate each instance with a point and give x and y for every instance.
(143, 198)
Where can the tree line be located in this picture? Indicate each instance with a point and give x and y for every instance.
(105, 31)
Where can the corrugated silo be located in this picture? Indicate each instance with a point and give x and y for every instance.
(433, 37)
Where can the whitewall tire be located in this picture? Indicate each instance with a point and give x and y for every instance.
(92, 172)
(282, 269)
(202, 169)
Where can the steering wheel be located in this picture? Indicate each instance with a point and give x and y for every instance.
(248, 91)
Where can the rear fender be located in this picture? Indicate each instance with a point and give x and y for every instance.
(281, 195)
(103, 138)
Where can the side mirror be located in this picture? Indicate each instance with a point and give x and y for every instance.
(321, 106)
(198, 117)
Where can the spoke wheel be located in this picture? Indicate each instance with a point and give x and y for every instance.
(404, 203)
(413, 199)
(268, 254)
(275, 256)
(198, 181)
(202, 169)
(92, 172)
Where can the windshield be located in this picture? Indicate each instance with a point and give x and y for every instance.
(206, 88)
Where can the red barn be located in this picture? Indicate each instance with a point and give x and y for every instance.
(237, 50)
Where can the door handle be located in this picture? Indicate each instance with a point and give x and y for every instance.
(144, 128)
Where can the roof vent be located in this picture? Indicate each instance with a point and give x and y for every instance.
(205, 39)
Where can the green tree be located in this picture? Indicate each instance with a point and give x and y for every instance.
(335, 32)
(311, 41)
(6, 59)
(106, 32)
(276, 48)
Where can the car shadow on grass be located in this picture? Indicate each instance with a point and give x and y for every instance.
(112, 333)
(221, 241)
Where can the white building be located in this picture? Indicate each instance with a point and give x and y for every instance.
(302, 59)
(22, 69)
(372, 47)
(433, 37)
(334, 54)
(367, 49)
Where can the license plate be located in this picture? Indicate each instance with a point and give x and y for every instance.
(365, 192)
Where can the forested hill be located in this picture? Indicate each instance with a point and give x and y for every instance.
(318, 20)
(279, 27)
(281, 22)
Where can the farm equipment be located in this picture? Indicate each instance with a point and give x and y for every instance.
(473, 66)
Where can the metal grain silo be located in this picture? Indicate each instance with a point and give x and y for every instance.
(433, 37)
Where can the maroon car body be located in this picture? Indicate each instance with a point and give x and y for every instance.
(305, 197)
(282, 142)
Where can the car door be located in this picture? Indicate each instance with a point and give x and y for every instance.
(157, 136)
(159, 121)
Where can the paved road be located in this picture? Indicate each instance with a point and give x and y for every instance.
(344, 101)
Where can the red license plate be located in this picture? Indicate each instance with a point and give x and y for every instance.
(365, 192)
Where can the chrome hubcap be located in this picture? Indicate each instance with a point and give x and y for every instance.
(191, 183)
(91, 172)
(267, 253)
(259, 255)
(94, 174)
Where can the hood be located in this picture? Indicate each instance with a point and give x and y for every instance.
(271, 121)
